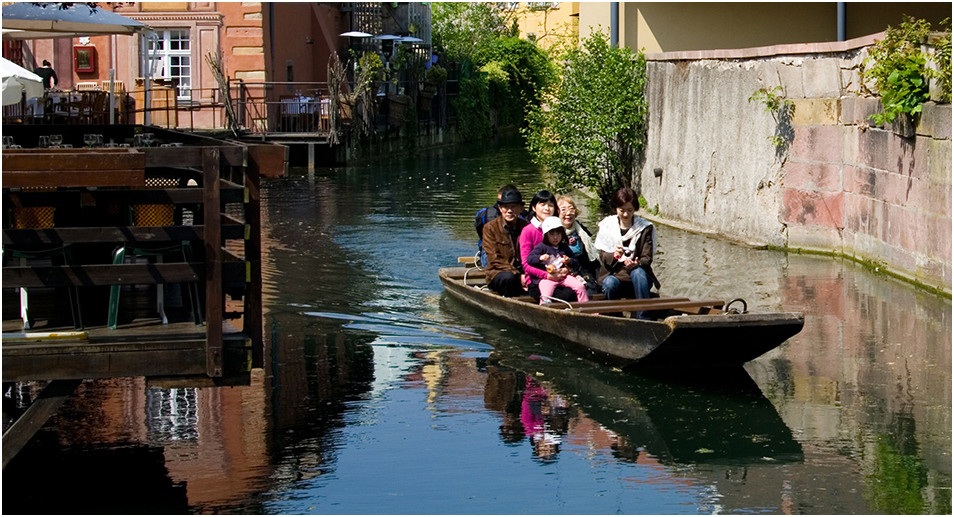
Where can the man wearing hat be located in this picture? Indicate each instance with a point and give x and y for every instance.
(504, 272)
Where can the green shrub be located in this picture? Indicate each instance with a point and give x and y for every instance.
(591, 129)
(898, 68)
(473, 108)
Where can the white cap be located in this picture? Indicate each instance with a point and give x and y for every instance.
(551, 223)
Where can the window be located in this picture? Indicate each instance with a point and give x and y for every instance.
(170, 54)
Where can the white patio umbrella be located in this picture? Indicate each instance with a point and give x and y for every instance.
(17, 80)
(52, 20)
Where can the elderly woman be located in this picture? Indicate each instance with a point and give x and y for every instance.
(581, 241)
(626, 244)
(542, 205)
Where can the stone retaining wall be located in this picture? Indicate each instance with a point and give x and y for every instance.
(836, 184)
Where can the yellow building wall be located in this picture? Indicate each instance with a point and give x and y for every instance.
(679, 26)
(548, 26)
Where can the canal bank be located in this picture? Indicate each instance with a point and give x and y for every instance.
(821, 179)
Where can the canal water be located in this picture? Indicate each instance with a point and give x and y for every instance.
(382, 395)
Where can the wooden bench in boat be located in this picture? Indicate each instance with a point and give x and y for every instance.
(651, 304)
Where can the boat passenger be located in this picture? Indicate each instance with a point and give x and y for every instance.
(542, 205)
(554, 255)
(626, 244)
(581, 242)
(504, 271)
(484, 216)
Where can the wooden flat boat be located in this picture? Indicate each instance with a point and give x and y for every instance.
(681, 332)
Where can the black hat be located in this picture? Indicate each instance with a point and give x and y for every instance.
(510, 196)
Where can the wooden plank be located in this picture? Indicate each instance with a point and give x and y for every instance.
(214, 297)
(193, 156)
(102, 274)
(92, 362)
(74, 178)
(631, 307)
(118, 234)
(176, 196)
(62, 162)
(625, 301)
(115, 234)
(45, 406)
(268, 160)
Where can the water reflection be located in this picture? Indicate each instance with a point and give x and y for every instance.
(381, 395)
(720, 420)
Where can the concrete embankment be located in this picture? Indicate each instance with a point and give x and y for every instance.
(822, 178)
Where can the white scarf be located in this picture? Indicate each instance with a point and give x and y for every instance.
(609, 238)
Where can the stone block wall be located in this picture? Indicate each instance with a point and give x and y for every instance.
(869, 193)
(835, 185)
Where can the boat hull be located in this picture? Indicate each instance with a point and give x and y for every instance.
(685, 340)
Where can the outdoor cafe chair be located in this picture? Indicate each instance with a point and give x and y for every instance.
(159, 214)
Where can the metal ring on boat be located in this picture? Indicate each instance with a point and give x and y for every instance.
(745, 307)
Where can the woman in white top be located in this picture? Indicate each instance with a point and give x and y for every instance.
(626, 244)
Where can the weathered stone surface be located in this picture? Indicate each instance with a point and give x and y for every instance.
(935, 121)
(857, 110)
(816, 112)
(817, 143)
(811, 208)
(821, 78)
(812, 176)
(841, 184)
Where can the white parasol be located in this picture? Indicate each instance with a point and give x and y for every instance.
(17, 80)
(57, 20)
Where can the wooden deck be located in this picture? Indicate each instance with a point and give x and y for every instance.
(93, 197)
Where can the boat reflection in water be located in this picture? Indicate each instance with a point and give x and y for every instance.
(723, 419)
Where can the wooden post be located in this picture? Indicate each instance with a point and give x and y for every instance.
(252, 320)
(311, 158)
(214, 299)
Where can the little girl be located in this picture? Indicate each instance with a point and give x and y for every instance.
(554, 255)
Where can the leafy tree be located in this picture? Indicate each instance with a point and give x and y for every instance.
(462, 29)
(519, 72)
(592, 126)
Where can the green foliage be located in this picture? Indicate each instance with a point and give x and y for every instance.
(773, 99)
(781, 109)
(644, 205)
(897, 67)
(473, 108)
(519, 71)
(463, 29)
(942, 58)
(435, 75)
(370, 68)
(592, 125)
